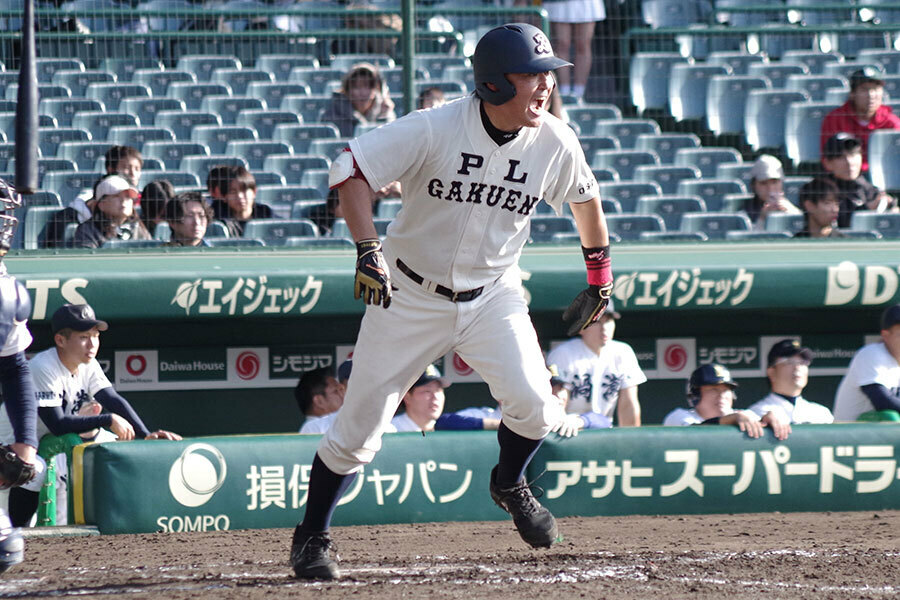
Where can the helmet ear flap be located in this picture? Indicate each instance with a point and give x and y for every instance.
(693, 395)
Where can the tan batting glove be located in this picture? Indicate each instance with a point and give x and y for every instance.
(373, 278)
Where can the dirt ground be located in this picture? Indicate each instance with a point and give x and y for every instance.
(805, 555)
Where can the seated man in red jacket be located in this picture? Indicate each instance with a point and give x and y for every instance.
(863, 112)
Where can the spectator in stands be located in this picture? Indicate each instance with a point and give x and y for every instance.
(870, 390)
(604, 373)
(711, 399)
(78, 211)
(788, 372)
(430, 97)
(424, 402)
(820, 199)
(217, 182)
(239, 205)
(153, 203)
(319, 396)
(363, 99)
(67, 379)
(864, 111)
(842, 158)
(113, 217)
(188, 215)
(768, 192)
(125, 161)
(572, 25)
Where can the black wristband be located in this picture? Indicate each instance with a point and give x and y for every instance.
(365, 246)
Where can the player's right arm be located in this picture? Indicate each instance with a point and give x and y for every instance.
(356, 204)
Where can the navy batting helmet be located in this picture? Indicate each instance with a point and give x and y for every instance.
(510, 48)
(711, 374)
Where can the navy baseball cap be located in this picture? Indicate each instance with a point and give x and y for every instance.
(343, 372)
(840, 143)
(431, 374)
(865, 75)
(711, 374)
(788, 349)
(77, 317)
(890, 317)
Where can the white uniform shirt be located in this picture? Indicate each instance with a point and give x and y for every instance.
(596, 378)
(484, 412)
(801, 411)
(402, 423)
(689, 416)
(19, 337)
(318, 424)
(871, 364)
(54, 385)
(467, 202)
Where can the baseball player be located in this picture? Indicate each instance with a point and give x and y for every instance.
(872, 381)
(68, 378)
(710, 397)
(604, 373)
(788, 373)
(15, 376)
(446, 277)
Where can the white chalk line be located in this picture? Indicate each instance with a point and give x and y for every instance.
(419, 574)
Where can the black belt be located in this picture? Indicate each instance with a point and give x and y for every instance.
(466, 296)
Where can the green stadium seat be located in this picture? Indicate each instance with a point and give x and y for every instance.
(884, 159)
(36, 219)
(45, 90)
(255, 151)
(712, 191)
(200, 165)
(179, 179)
(51, 138)
(715, 225)
(308, 107)
(78, 81)
(63, 109)
(343, 62)
(265, 121)
(315, 78)
(274, 92)
(739, 62)
(204, 65)
(192, 94)
(46, 67)
(649, 79)
(628, 192)
(629, 227)
(765, 114)
(83, 154)
(271, 229)
(814, 60)
(68, 185)
(111, 94)
(183, 123)
(328, 148)
(544, 226)
(159, 81)
(124, 68)
(725, 101)
(626, 130)
(240, 79)
(217, 137)
(317, 179)
(228, 107)
(670, 208)
(816, 86)
(269, 178)
(280, 65)
(777, 73)
(287, 194)
(293, 166)
(43, 198)
(301, 136)
(791, 223)
(665, 145)
(136, 137)
(146, 109)
(593, 143)
(706, 160)
(688, 86)
(623, 162)
(666, 176)
(173, 154)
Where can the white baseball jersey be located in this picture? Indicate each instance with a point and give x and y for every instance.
(799, 411)
(402, 423)
(689, 416)
(871, 364)
(318, 424)
(54, 385)
(465, 217)
(596, 378)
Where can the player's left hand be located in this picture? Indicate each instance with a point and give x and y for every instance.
(569, 426)
(780, 427)
(587, 308)
(373, 278)
(162, 434)
(14, 470)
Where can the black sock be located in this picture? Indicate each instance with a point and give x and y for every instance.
(515, 454)
(22, 505)
(325, 490)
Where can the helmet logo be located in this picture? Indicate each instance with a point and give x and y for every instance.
(541, 44)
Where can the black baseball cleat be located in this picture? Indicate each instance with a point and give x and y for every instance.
(535, 523)
(309, 556)
(12, 550)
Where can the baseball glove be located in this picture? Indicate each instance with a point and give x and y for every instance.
(13, 470)
(373, 279)
(587, 307)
